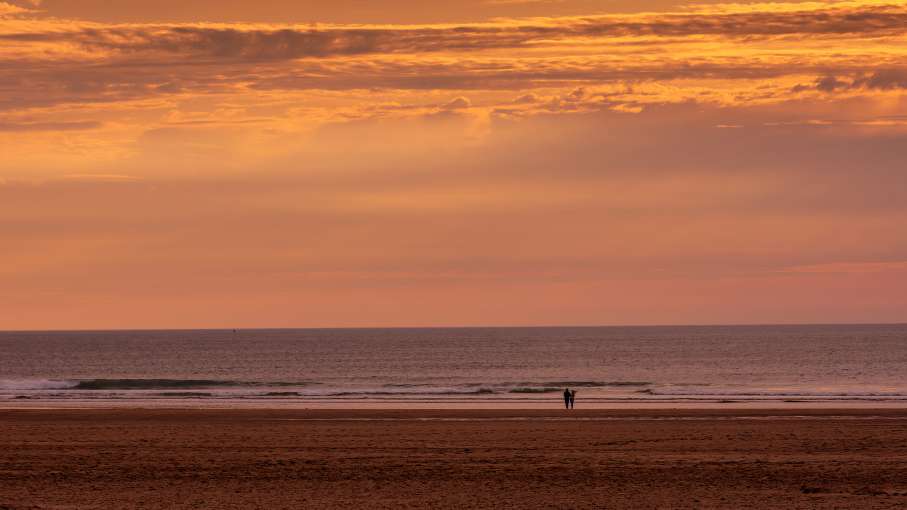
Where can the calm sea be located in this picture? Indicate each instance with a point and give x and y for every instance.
(485, 366)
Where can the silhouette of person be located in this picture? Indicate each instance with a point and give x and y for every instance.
(567, 398)
(572, 398)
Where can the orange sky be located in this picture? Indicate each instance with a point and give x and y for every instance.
(278, 163)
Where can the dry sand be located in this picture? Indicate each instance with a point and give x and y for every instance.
(452, 459)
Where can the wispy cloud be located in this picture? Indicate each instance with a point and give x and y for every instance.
(849, 268)
(249, 42)
(726, 55)
(48, 126)
(112, 178)
(7, 9)
(517, 2)
(44, 62)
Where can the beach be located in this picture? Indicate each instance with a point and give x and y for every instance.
(454, 458)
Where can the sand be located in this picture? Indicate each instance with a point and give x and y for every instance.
(132, 458)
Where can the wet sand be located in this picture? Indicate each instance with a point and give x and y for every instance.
(255, 458)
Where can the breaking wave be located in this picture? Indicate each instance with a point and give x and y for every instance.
(36, 384)
(480, 391)
(642, 391)
(136, 384)
(584, 384)
(536, 390)
(150, 384)
(773, 394)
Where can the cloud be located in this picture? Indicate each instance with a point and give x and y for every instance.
(714, 54)
(48, 126)
(458, 103)
(508, 69)
(101, 178)
(880, 79)
(849, 267)
(274, 42)
(830, 84)
(884, 79)
(518, 2)
(7, 9)
(526, 99)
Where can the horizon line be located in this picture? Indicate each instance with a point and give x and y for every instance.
(550, 326)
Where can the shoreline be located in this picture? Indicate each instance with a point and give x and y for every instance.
(445, 404)
(455, 414)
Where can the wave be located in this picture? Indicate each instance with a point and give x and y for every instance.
(137, 384)
(185, 394)
(166, 384)
(775, 394)
(366, 393)
(584, 384)
(536, 390)
(149, 384)
(36, 384)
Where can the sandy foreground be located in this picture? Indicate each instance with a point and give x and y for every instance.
(254, 458)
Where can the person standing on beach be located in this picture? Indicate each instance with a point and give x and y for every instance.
(572, 398)
(567, 398)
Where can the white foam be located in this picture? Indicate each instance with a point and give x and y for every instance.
(36, 384)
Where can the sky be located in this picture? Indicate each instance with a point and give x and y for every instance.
(355, 163)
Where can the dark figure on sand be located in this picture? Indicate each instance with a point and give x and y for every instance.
(567, 398)
(572, 398)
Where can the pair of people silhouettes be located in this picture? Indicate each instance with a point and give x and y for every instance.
(569, 398)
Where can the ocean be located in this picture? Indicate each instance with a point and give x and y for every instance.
(486, 367)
